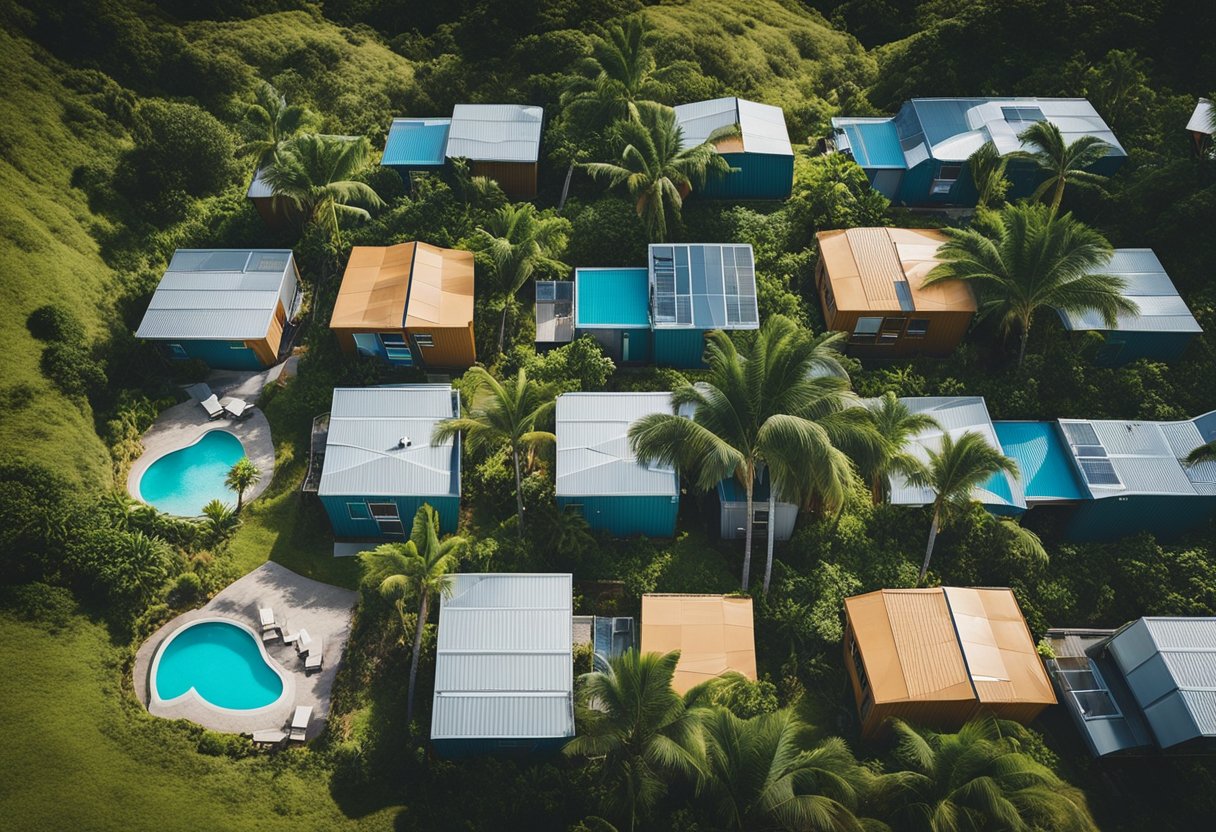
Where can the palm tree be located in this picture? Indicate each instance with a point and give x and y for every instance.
(270, 121)
(641, 728)
(221, 520)
(655, 167)
(953, 472)
(987, 167)
(503, 413)
(1063, 163)
(517, 241)
(619, 73)
(784, 408)
(896, 426)
(767, 773)
(242, 476)
(1204, 453)
(980, 778)
(314, 172)
(419, 568)
(1035, 260)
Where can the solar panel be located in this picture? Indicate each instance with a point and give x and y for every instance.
(546, 290)
(1099, 472)
(1081, 433)
(704, 286)
(1090, 450)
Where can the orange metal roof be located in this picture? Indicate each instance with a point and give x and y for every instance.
(865, 264)
(947, 644)
(714, 634)
(405, 285)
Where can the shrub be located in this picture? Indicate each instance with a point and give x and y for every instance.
(187, 589)
(125, 570)
(53, 322)
(53, 606)
(215, 744)
(72, 368)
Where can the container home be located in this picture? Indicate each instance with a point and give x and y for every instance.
(410, 304)
(1002, 494)
(1143, 688)
(1201, 127)
(1159, 331)
(500, 141)
(597, 473)
(732, 512)
(695, 289)
(613, 307)
(714, 634)
(761, 157)
(870, 286)
(919, 156)
(939, 657)
(226, 307)
(379, 464)
(504, 666)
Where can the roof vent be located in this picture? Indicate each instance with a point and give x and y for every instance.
(404, 442)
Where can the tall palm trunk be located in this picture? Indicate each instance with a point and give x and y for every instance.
(1024, 340)
(772, 531)
(876, 489)
(1058, 197)
(924, 568)
(747, 531)
(418, 628)
(519, 497)
(502, 326)
(240, 499)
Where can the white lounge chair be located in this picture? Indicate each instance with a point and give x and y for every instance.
(271, 736)
(212, 405)
(236, 408)
(304, 643)
(292, 638)
(316, 655)
(266, 616)
(299, 723)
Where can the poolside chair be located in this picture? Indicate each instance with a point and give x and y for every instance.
(212, 405)
(292, 638)
(270, 736)
(266, 616)
(305, 642)
(299, 723)
(237, 408)
(316, 655)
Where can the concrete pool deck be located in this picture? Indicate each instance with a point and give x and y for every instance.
(299, 603)
(185, 423)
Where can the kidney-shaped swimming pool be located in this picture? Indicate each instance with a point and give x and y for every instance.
(221, 661)
(183, 481)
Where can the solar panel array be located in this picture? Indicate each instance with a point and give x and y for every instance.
(1091, 454)
(703, 286)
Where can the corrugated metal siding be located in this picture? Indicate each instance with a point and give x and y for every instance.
(517, 179)
(504, 658)
(218, 355)
(361, 454)
(495, 132)
(593, 453)
(627, 516)
(733, 517)
(759, 176)
(679, 348)
(1168, 517)
(454, 346)
(448, 509)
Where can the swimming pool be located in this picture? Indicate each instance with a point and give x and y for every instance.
(223, 662)
(185, 480)
(1043, 461)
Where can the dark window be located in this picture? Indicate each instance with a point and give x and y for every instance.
(384, 510)
(892, 328)
(918, 328)
(177, 351)
(357, 511)
(866, 329)
(424, 340)
(859, 667)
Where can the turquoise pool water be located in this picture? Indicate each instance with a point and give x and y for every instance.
(184, 481)
(222, 662)
(1047, 472)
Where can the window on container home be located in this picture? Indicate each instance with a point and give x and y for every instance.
(357, 511)
(177, 351)
(946, 178)
(424, 339)
(892, 328)
(866, 329)
(917, 328)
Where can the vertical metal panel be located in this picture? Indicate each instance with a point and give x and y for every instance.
(454, 346)
(628, 516)
(218, 355)
(760, 176)
(517, 179)
(679, 347)
(448, 509)
(1166, 516)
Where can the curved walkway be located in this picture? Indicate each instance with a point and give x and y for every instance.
(298, 602)
(183, 424)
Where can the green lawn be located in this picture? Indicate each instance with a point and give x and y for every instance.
(80, 753)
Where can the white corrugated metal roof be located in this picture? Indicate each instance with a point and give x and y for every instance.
(593, 455)
(1188, 648)
(366, 424)
(503, 664)
(762, 125)
(495, 132)
(1146, 457)
(220, 295)
(259, 188)
(1201, 119)
(1162, 309)
(956, 415)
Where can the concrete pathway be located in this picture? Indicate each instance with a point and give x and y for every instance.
(298, 603)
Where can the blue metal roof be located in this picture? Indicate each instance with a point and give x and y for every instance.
(873, 142)
(416, 142)
(611, 298)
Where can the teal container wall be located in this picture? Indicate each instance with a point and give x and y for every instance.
(679, 347)
(343, 526)
(628, 516)
(1023, 178)
(1125, 347)
(219, 356)
(760, 176)
(457, 749)
(613, 341)
(1167, 517)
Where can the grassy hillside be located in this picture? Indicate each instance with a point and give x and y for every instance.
(46, 132)
(80, 756)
